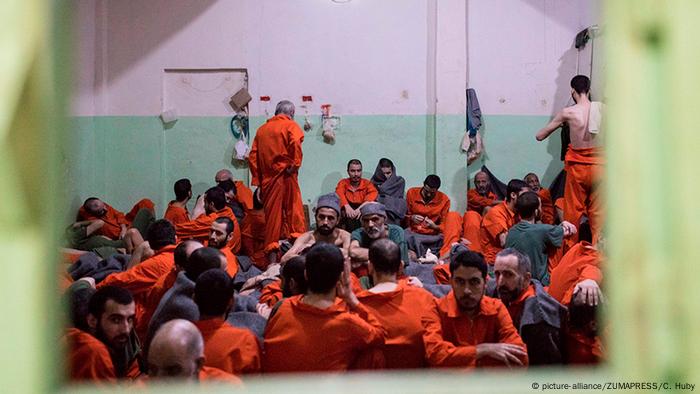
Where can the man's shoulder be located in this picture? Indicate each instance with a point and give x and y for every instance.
(395, 230)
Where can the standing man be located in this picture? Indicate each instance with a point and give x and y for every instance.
(584, 161)
(274, 160)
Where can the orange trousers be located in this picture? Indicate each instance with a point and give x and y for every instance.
(582, 195)
(284, 211)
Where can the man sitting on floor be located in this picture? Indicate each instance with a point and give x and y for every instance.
(353, 192)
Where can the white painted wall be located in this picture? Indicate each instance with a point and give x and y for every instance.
(521, 52)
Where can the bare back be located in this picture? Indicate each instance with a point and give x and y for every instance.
(577, 117)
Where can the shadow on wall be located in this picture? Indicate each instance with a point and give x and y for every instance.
(331, 181)
(151, 24)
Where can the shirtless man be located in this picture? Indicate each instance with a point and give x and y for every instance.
(583, 162)
(327, 217)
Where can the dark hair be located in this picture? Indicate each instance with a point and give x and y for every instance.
(581, 84)
(468, 258)
(180, 254)
(217, 196)
(581, 314)
(160, 233)
(515, 186)
(213, 292)
(384, 162)
(526, 204)
(202, 259)
(354, 161)
(88, 200)
(385, 256)
(294, 269)
(96, 307)
(432, 181)
(324, 264)
(228, 186)
(182, 189)
(228, 222)
(77, 300)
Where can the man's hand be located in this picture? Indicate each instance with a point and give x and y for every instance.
(430, 224)
(344, 289)
(417, 219)
(123, 232)
(569, 229)
(290, 170)
(415, 282)
(587, 291)
(504, 352)
(263, 310)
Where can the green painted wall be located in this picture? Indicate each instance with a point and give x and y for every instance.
(123, 159)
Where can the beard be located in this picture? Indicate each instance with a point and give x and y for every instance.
(508, 296)
(117, 343)
(325, 230)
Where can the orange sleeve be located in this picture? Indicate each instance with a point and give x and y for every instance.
(249, 359)
(244, 195)
(271, 294)
(255, 178)
(296, 137)
(88, 359)
(476, 202)
(139, 278)
(198, 228)
(121, 219)
(340, 191)
(507, 332)
(494, 224)
(370, 329)
(355, 283)
(372, 192)
(438, 351)
(410, 200)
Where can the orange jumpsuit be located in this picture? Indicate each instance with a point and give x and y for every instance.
(244, 195)
(363, 193)
(400, 313)
(547, 214)
(303, 338)
(582, 349)
(211, 374)
(228, 348)
(88, 358)
(140, 278)
(477, 202)
(451, 337)
(579, 263)
(152, 300)
(515, 308)
(275, 159)
(231, 261)
(114, 219)
(582, 195)
(435, 210)
(199, 228)
(176, 215)
(498, 220)
(451, 231)
(253, 238)
(271, 294)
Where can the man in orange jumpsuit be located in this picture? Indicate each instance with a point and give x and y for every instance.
(231, 349)
(468, 329)
(497, 222)
(177, 352)
(243, 195)
(220, 236)
(547, 207)
(427, 210)
(214, 201)
(177, 209)
(317, 331)
(353, 192)
(480, 199)
(275, 159)
(111, 313)
(253, 233)
(398, 307)
(584, 159)
(140, 278)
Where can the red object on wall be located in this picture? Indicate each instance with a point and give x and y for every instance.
(264, 98)
(306, 98)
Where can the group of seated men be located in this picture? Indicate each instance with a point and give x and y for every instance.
(384, 280)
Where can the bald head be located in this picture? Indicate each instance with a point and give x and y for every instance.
(176, 351)
(183, 251)
(482, 184)
(223, 175)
